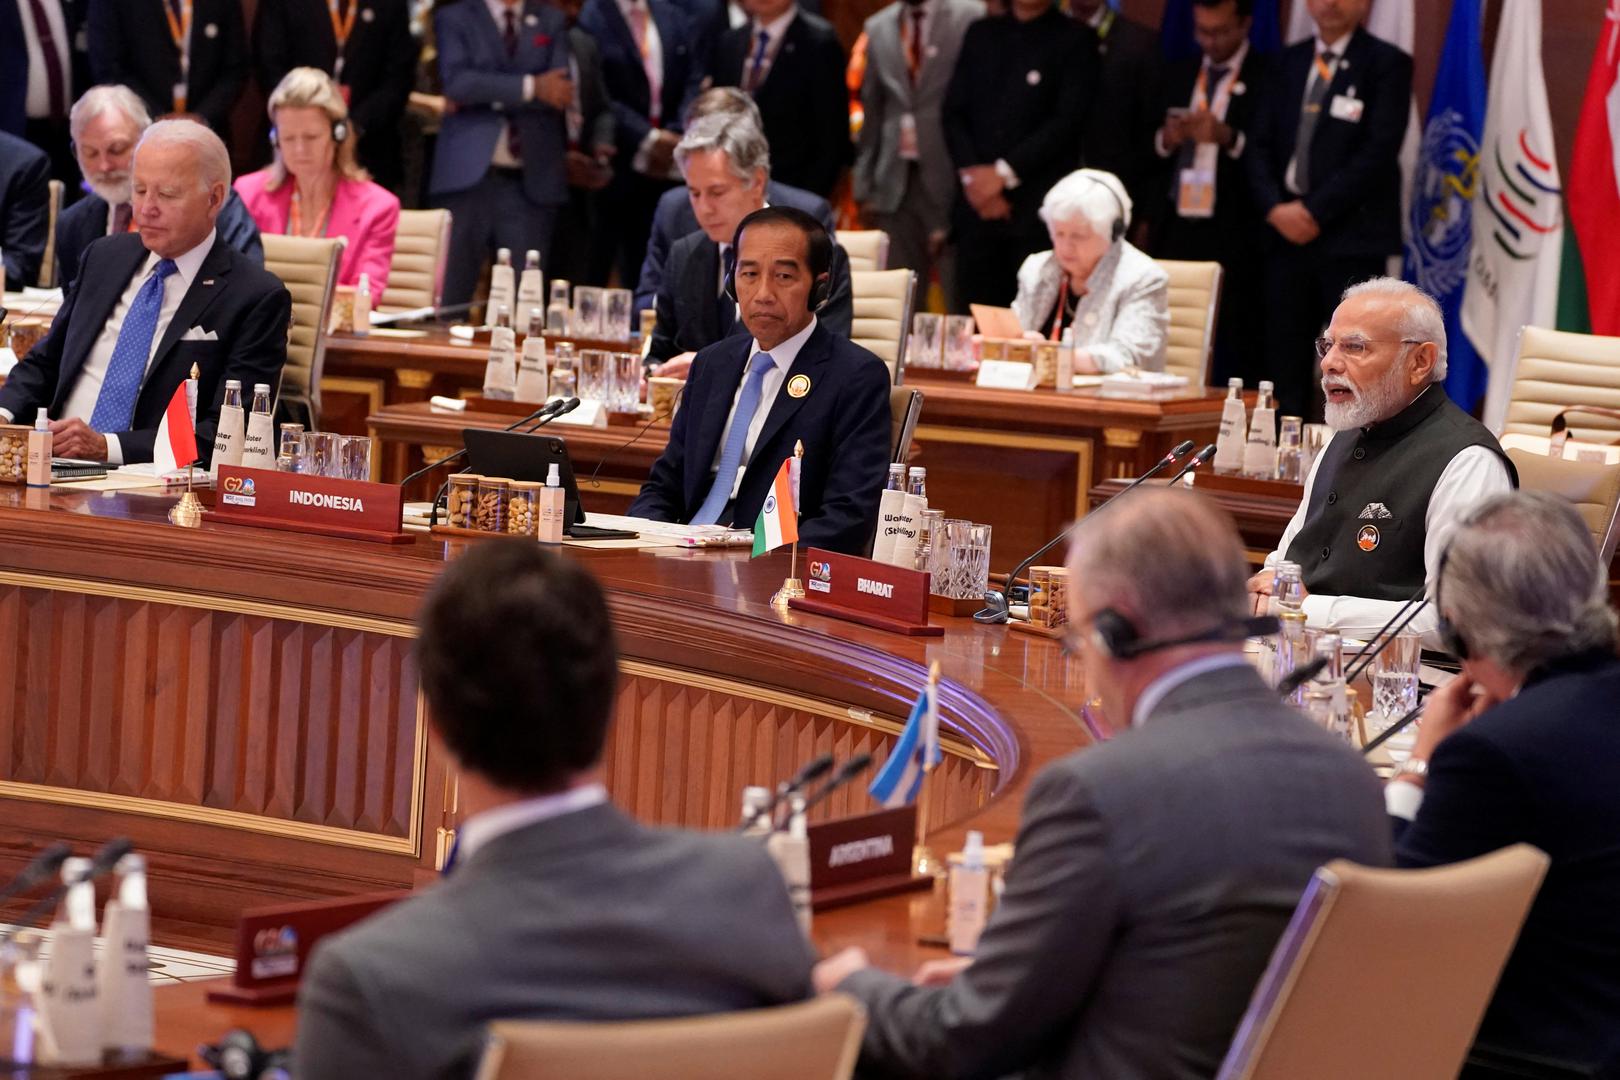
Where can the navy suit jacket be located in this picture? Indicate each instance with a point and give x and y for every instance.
(130, 44)
(25, 175)
(487, 87)
(1541, 769)
(243, 305)
(626, 79)
(843, 421)
(86, 221)
(1355, 168)
(674, 219)
(14, 63)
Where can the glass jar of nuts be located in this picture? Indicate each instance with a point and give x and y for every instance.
(523, 508)
(459, 503)
(489, 511)
(13, 453)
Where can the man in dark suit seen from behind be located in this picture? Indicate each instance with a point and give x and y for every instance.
(146, 308)
(752, 397)
(1153, 873)
(107, 123)
(591, 125)
(1013, 118)
(25, 178)
(555, 905)
(1202, 209)
(1123, 113)
(792, 63)
(43, 66)
(140, 44)
(675, 217)
(1523, 747)
(1324, 166)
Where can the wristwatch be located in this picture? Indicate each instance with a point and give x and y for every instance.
(1412, 768)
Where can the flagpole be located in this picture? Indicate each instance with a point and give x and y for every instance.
(187, 513)
(923, 863)
(792, 586)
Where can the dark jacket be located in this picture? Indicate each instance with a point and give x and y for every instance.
(1124, 111)
(626, 78)
(14, 62)
(86, 221)
(25, 175)
(130, 44)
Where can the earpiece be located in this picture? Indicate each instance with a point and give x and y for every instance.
(1450, 639)
(340, 132)
(1119, 638)
(238, 1056)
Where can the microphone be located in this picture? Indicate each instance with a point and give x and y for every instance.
(1369, 652)
(554, 407)
(103, 861)
(848, 771)
(620, 448)
(816, 767)
(1200, 458)
(45, 864)
(1398, 726)
(1300, 676)
(998, 605)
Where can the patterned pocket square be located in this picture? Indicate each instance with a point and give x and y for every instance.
(1374, 511)
(197, 333)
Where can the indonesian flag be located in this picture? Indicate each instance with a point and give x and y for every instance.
(778, 521)
(176, 445)
(1594, 179)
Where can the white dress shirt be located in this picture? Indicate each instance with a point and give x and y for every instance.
(81, 400)
(775, 31)
(38, 101)
(503, 157)
(782, 358)
(1337, 48)
(480, 829)
(1159, 688)
(1218, 106)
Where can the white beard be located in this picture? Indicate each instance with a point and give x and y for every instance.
(112, 194)
(1378, 402)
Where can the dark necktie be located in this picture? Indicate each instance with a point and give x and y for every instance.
(725, 306)
(53, 61)
(1312, 111)
(756, 72)
(513, 142)
(914, 48)
(122, 213)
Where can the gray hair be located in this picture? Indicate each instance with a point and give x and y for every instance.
(1522, 583)
(1095, 195)
(740, 140)
(724, 101)
(1421, 318)
(213, 162)
(98, 99)
(1173, 558)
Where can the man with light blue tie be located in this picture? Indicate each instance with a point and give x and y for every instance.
(148, 307)
(750, 399)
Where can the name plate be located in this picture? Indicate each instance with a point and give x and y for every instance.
(273, 944)
(1006, 375)
(872, 593)
(356, 509)
(857, 858)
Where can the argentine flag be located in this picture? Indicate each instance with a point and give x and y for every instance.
(902, 775)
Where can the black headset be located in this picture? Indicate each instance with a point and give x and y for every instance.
(1450, 639)
(340, 133)
(239, 1056)
(1119, 638)
(821, 290)
(1118, 231)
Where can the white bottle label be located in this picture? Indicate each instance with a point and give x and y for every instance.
(123, 978)
(69, 1011)
(258, 446)
(970, 891)
(501, 291)
(531, 376)
(1229, 443)
(228, 439)
(530, 293)
(1260, 454)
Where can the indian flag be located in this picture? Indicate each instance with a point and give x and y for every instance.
(778, 521)
(176, 445)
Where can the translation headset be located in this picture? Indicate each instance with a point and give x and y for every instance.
(239, 1056)
(820, 292)
(1117, 636)
(1117, 233)
(1450, 639)
(340, 133)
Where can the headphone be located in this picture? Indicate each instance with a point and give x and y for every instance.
(340, 133)
(1450, 639)
(1120, 639)
(238, 1056)
(1118, 231)
(820, 291)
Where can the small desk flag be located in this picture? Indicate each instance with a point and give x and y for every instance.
(778, 521)
(176, 445)
(916, 751)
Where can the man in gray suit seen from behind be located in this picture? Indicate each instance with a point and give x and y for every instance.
(903, 177)
(1153, 873)
(555, 905)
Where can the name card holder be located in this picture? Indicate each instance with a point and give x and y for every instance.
(353, 509)
(864, 857)
(861, 590)
(273, 944)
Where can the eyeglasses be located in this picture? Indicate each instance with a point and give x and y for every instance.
(1355, 348)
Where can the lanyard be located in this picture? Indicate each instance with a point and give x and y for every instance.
(1324, 70)
(1223, 90)
(180, 34)
(295, 219)
(1105, 24)
(1063, 302)
(341, 29)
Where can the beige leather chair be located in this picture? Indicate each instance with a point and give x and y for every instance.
(882, 301)
(1385, 973)
(1195, 300)
(1556, 370)
(47, 267)
(416, 273)
(905, 408)
(308, 267)
(813, 1040)
(1593, 487)
(868, 249)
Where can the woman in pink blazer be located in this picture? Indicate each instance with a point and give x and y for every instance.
(315, 187)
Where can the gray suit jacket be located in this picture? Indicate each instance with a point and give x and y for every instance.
(887, 95)
(588, 916)
(1152, 876)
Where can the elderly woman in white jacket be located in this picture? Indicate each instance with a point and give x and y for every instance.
(1116, 299)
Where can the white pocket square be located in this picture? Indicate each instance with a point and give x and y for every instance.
(197, 333)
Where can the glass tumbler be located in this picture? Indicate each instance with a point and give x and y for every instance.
(290, 450)
(626, 383)
(616, 312)
(1394, 681)
(320, 454)
(924, 349)
(959, 342)
(587, 318)
(354, 455)
(595, 375)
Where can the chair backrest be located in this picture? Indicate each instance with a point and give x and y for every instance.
(1592, 486)
(308, 266)
(817, 1039)
(882, 302)
(868, 249)
(905, 408)
(416, 273)
(1195, 300)
(47, 267)
(1555, 370)
(1385, 973)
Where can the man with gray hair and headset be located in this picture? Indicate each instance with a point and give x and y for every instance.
(1403, 465)
(1524, 747)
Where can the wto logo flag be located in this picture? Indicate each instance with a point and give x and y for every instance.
(1440, 217)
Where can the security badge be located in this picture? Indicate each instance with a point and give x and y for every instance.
(211, 30)
(798, 386)
(367, 15)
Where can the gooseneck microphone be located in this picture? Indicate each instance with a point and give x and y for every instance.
(1394, 729)
(550, 410)
(1380, 641)
(998, 605)
(1300, 676)
(45, 864)
(1199, 459)
(815, 768)
(103, 861)
(848, 771)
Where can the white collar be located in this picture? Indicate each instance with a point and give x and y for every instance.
(480, 829)
(1233, 62)
(1336, 47)
(187, 264)
(497, 11)
(1156, 690)
(787, 352)
(777, 26)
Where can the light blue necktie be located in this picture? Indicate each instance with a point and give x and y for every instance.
(115, 407)
(732, 456)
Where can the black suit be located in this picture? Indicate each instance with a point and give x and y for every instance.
(245, 306)
(49, 133)
(1355, 194)
(130, 44)
(379, 66)
(86, 221)
(803, 100)
(25, 175)
(1124, 112)
(1540, 769)
(571, 247)
(843, 421)
(692, 314)
(1018, 94)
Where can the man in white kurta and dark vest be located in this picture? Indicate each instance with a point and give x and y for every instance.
(1403, 465)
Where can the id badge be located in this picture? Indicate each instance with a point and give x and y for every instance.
(908, 137)
(1346, 108)
(1196, 195)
